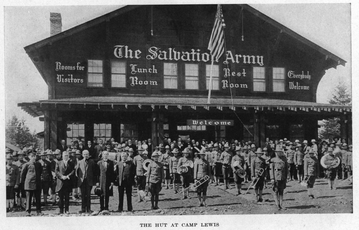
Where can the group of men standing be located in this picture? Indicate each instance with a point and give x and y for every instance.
(63, 172)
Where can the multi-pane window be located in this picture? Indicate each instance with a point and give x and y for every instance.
(259, 81)
(75, 132)
(191, 76)
(278, 80)
(118, 74)
(170, 76)
(215, 76)
(191, 128)
(95, 73)
(102, 131)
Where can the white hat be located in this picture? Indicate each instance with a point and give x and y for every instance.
(253, 146)
(313, 140)
(305, 142)
(238, 148)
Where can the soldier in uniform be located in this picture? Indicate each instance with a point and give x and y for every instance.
(279, 172)
(241, 165)
(258, 167)
(291, 163)
(251, 156)
(226, 165)
(154, 179)
(20, 192)
(310, 171)
(173, 164)
(165, 160)
(331, 172)
(202, 168)
(12, 182)
(185, 167)
(31, 178)
(140, 173)
(217, 164)
(344, 161)
(46, 175)
(299, 162)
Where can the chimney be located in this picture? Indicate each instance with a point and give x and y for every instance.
(55, 23)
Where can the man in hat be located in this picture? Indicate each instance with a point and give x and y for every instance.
(105, 180)
(209, 158)
(314, 147)
(64, 171)
(46, 175)
(52, 158)
(226, 158)
(344, 163)
(290, 160)
(331, 171)
(173, 165)
(20, 192)
(258, 167)
(238, 165)
(75, 187)
(217, 164)
(251, 156)
(299, 162)
(310, 171)
(12, 182)
(31, 178)
(86, 172)
(140, 172)
(337, 151)
(202, 169)
(165, 160)
(185, 167)
(154, 179)
(349, 161)
(305, 147)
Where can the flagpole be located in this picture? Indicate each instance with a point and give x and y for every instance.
(210, 85)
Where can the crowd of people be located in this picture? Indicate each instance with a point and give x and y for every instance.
(76, 170)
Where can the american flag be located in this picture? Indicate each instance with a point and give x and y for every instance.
(216, 42)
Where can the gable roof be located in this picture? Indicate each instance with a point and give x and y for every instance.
(124, 9)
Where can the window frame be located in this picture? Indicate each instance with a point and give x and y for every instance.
(277, 80)
(88, 74)
(191, 76)
(116, 74)
(208, 76)
(170, 76)
(262, 80)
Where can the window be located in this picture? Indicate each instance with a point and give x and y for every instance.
(102, 131)
(259, 81)
(191, 128)
(191, 73)
(75, 131)
(215, 76)
(118, 74)
(170, 76)
(220, 132)
(278, 80)
(95, 73)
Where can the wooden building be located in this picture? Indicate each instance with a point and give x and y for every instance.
(143, 72)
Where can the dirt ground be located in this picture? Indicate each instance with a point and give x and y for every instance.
(226, 202)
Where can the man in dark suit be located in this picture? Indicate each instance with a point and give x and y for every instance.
(86, 175)
(64, 171)
(106, 179)
(125, 172)
(62, 147)
(31, 178)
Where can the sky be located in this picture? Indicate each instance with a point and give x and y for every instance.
(327, 25)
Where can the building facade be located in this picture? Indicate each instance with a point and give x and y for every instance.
(143, 72)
